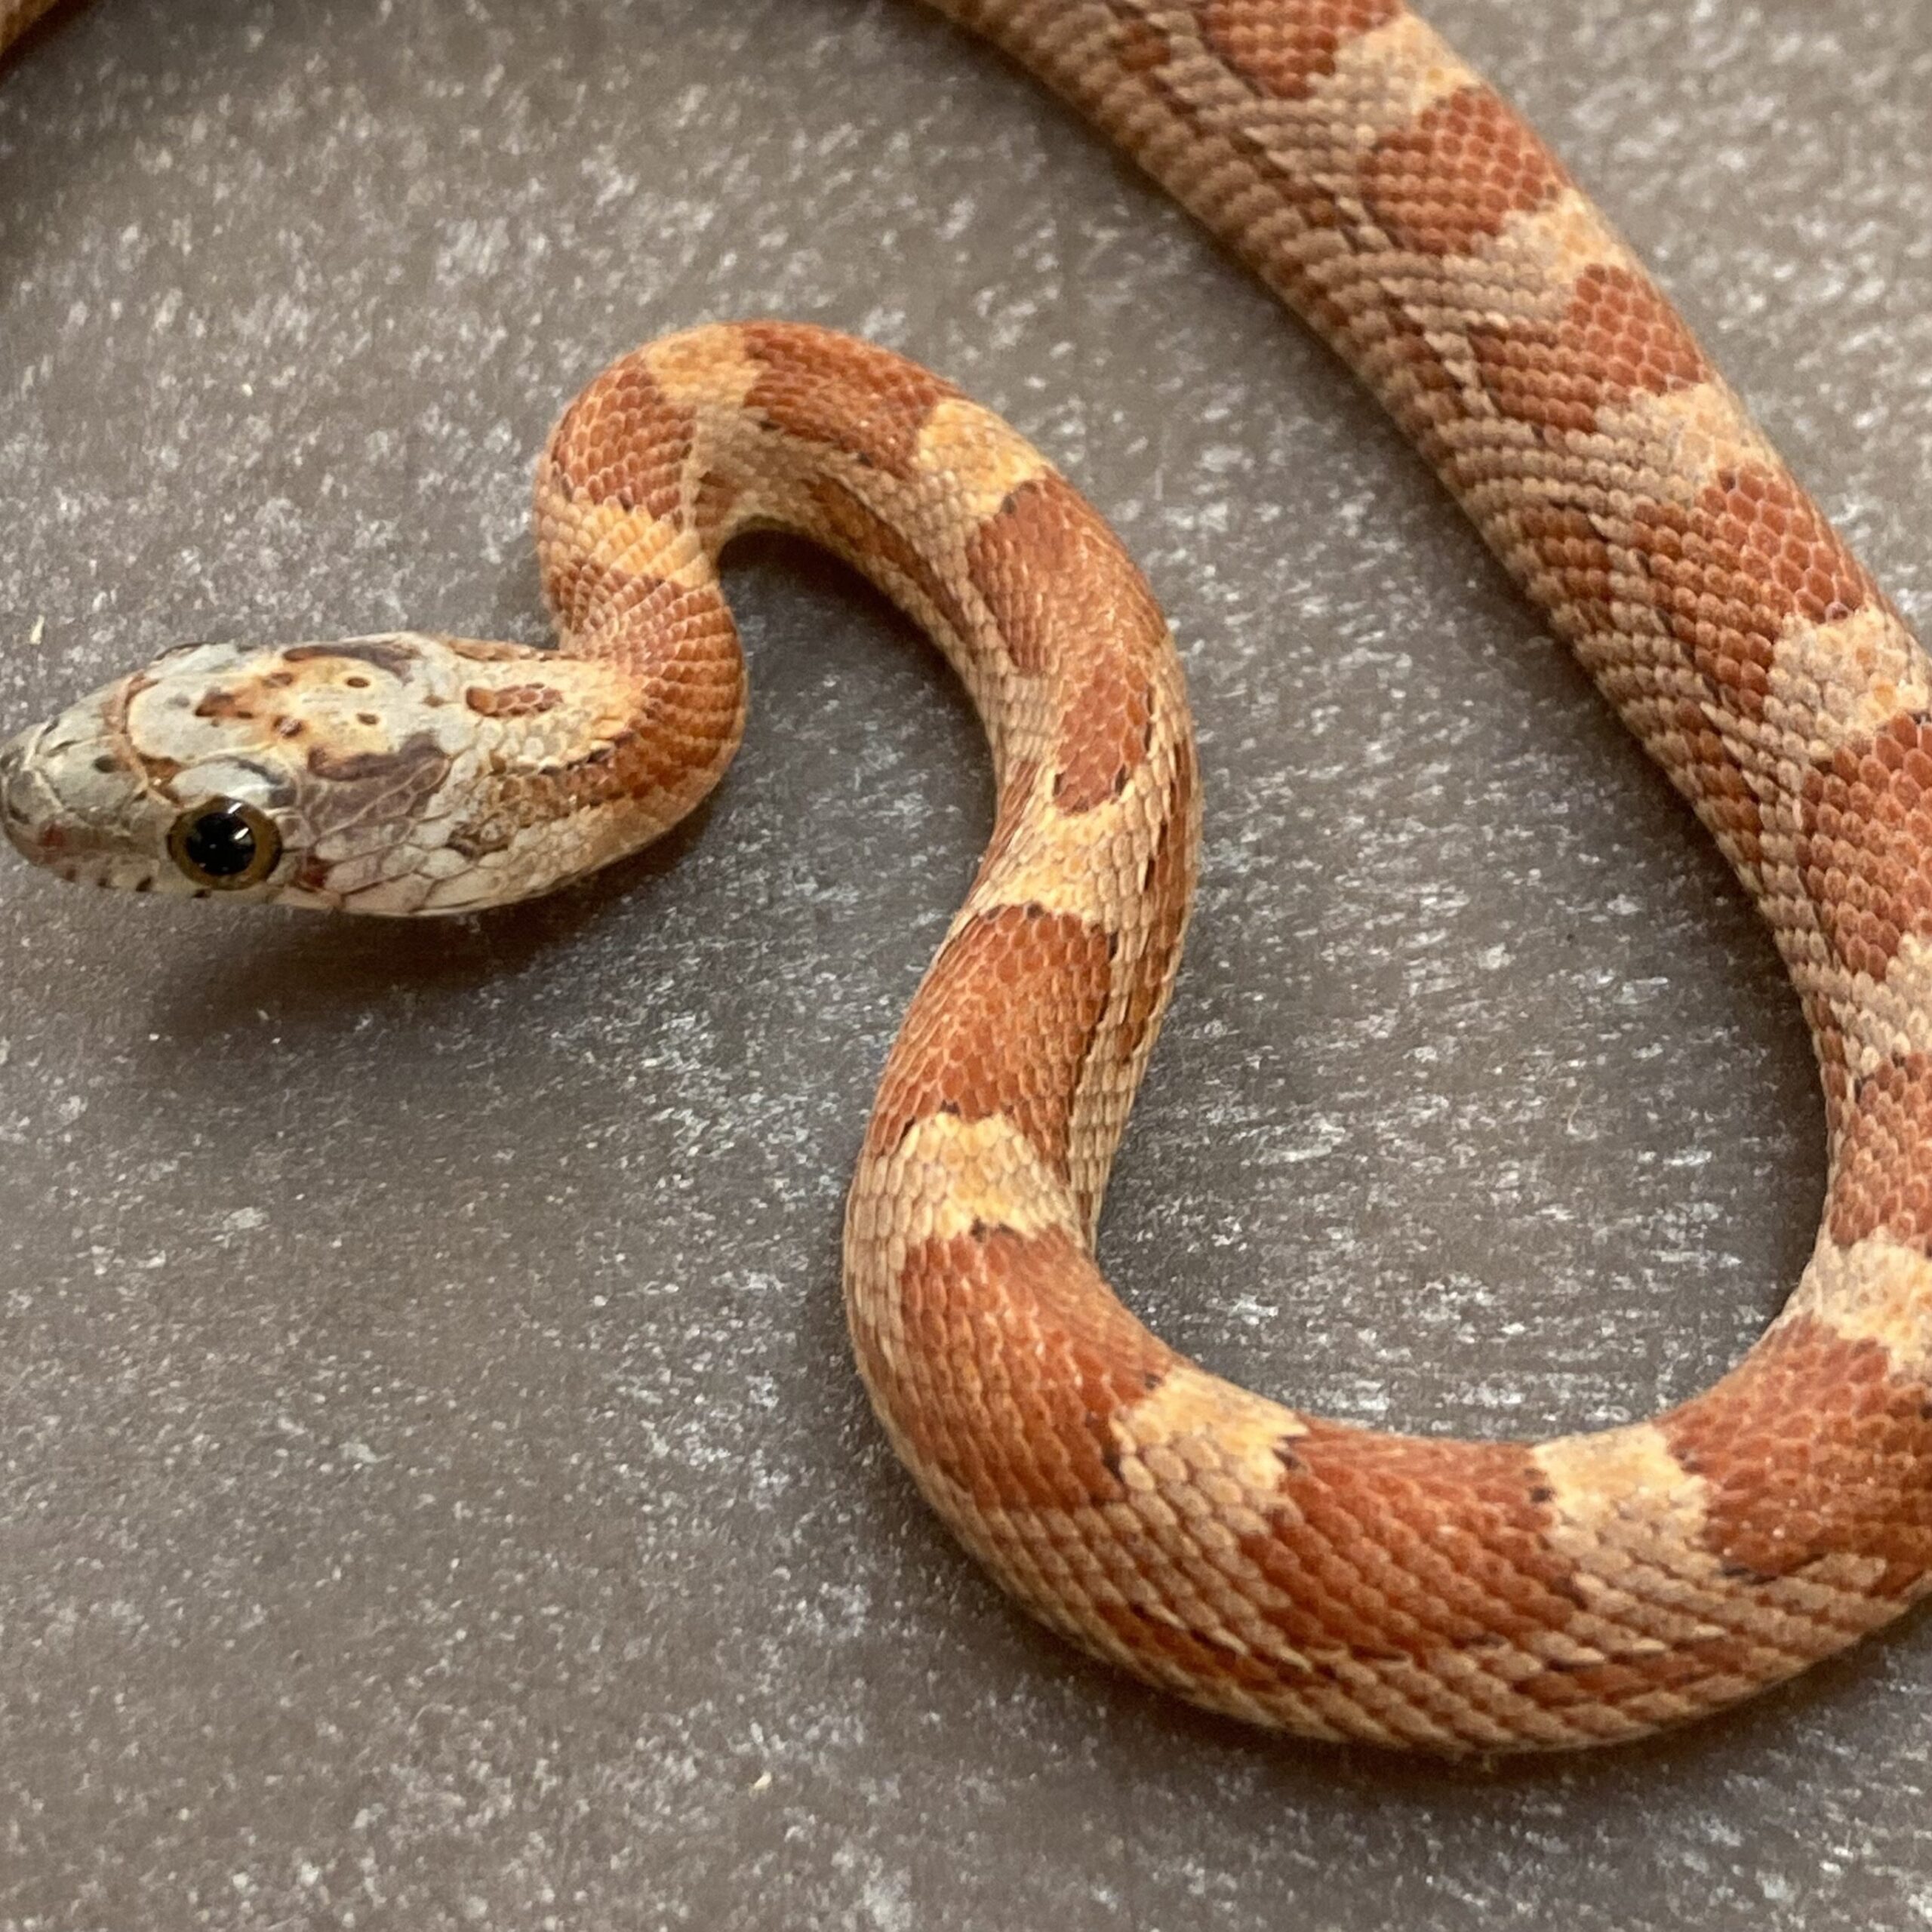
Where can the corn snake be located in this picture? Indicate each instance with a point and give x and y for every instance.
(1596, 1586)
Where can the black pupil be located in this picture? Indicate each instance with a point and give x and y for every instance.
(220, 845)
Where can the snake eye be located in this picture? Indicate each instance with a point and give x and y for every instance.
(223, 845)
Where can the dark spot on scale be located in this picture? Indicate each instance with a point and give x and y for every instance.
(289, 728)
(477, 842)
(143, 885)
(393, 654)
(949, 1107)
(1288, 1459)
(107, 761)
(357, 684)
(1541, 1493)
(224, 704)
(1151, 1379)
(367, 717)
(417, 761)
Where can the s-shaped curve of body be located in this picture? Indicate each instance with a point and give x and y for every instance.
(1332, 1580)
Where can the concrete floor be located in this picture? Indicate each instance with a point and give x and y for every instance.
(433, 1488)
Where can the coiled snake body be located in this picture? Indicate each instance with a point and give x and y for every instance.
(1338, 1582)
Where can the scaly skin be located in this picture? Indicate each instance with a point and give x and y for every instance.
(1338, 1582)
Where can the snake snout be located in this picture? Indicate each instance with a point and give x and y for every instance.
(17, 816)
(61, 805)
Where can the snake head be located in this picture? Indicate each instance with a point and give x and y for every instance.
(401, 774)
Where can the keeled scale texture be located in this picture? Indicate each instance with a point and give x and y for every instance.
(1454, 1594)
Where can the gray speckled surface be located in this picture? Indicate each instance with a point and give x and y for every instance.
(433, 1491)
